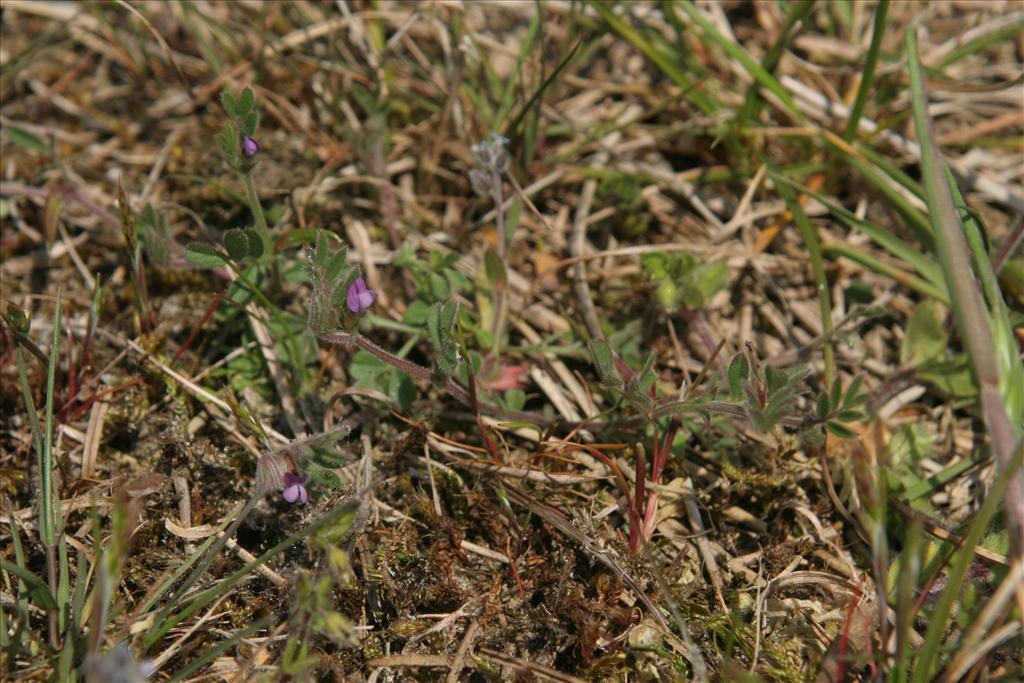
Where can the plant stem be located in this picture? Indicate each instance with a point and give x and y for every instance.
(257, 213)
(498, 324)
(868, 76)
(47, 519)
(973, 319)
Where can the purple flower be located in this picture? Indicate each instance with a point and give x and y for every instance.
(250, 146)
(359, 297)
(294, 489)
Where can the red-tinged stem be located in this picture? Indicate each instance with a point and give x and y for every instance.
(80, 410)
(474, 405)
(666, 447)
(845, 637)
(636, 528)
(658, 463)
(198, 328)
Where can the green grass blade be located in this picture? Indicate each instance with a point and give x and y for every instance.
(915, 218)
(906, 587)
(972, 317)
(63, 584)
(882, 268)
(47, 520)
(884, 238)
(660, 59)
(929, 651)
(797, 13)
(508, 96)
(162, 626)
(867, 78)
(37, 588)
(820, 280)
(761, 75)
(30, 404)
(998, 35)
(218, 649)
(173, 579)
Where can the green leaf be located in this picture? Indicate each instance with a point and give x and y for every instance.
(439, 288)
(229, 102)
(601, 352)
(366, 370)
(495, 269)
(325, 478)
(839, 430)
(204, 256)
(709, 280)
(515, 399)
(434, 323)
(925, 338)
(775, 378)
(246, 102)
(739, 369)
(300, 236)
(416, 313)
(37, 588)
(823, 406)
(646, 376)
(237, 243)
(405, 257)
(401, 389)
(853, 396)
(25, 139)
(256, 245)
(250, 123)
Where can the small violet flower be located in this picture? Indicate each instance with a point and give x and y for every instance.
(294, 489)
(250, 146)
(359, 297)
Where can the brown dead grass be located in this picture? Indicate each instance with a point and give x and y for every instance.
(527, 594)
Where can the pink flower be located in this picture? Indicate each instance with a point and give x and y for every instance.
(358, 297)
(294, 489)
(250, 146)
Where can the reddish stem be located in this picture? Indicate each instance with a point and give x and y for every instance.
(198, 328)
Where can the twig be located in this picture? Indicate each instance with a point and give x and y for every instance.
(460, 655)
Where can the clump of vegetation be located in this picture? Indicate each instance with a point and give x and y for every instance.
(674, 342)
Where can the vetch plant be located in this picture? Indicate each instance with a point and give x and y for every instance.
(239, 148)
(340, 299)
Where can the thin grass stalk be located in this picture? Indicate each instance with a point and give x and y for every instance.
(797, 13)
(762, 76)
(348, 506)
(906, 584)
(928, 653)
(882, 268)
(867, 78)
(47, 519)
(498, 196)
(972, 318)
(218, 649)
(163, 621)
(820, 279)
(663, 61)
(26, 394)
